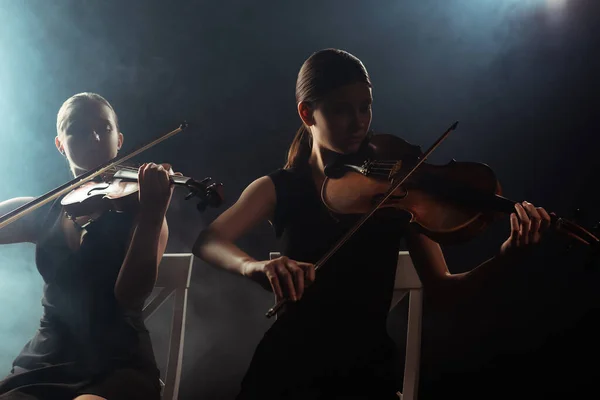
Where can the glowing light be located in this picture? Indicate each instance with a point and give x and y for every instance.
(556, 10)
(556, 5)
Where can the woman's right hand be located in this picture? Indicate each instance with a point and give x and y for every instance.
(283, 276)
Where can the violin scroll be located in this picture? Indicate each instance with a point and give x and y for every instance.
(118, 189)
(209, 194)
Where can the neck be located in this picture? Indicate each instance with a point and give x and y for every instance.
(319, 158)
(77, 171)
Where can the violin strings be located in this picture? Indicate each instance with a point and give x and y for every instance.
(124, 167)
(379, 169)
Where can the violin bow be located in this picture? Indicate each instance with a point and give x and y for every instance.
(81, 179)
(275, 309)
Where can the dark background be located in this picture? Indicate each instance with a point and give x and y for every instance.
(521, 76)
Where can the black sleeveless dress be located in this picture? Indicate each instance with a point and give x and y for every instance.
(86, 342)
(333, 343)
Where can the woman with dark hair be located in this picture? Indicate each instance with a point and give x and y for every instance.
(333, 343)
(92, 343)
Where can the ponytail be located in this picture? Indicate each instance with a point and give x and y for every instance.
(322, 72)
(300, 149)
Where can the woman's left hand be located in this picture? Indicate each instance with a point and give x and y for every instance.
(156, 188)
(527, 229)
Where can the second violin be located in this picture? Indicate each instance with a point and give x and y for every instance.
(117, 189)
(449, 203)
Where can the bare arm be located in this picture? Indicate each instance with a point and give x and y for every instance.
(139, 270)
(215, 244)
(447, 288)
(25, 229)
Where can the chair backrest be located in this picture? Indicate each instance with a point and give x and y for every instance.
(408, 283)
(173, 279)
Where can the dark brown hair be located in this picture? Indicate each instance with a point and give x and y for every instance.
(321, 73)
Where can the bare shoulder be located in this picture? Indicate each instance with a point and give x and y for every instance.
(260, 191)
(264, 185)
(255, 204)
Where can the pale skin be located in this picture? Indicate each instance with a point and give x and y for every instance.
(338, 125)
(88, 138)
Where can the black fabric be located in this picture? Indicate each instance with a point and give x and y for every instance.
(84, 335)
(333, 343)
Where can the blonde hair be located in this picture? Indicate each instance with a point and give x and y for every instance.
(79, 98)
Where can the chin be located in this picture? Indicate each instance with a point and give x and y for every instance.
(352, 148)
(345, 148)
(93, 162)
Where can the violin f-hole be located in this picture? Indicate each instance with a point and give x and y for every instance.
(89, 193)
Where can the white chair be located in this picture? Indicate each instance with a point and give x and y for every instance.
(407, 283)
(174, 275)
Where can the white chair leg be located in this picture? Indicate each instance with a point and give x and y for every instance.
(413, 346)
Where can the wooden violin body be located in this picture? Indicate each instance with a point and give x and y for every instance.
(449, 203)
(118, 190)
(112, 186)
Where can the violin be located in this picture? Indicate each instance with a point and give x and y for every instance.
(115, 184)
(117, 190)
(449, 203)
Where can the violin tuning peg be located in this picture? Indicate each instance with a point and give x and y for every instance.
(214, 185)
(209, 195)
(214, 194)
